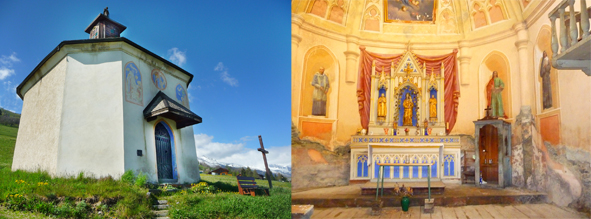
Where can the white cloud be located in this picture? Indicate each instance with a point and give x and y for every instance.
(237, 153)
(248, 138)
(6, 65)
(5, 72)
(225, 76)
(177, 57)
(9, 60)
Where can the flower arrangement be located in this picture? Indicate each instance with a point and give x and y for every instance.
(403, 191)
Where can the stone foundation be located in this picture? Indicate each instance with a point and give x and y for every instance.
(315, 166)
(561, 171)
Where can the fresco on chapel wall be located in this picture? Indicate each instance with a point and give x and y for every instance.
(318, 7)
(133, 84)
(372, 19)
(181, 95)
(410, 10)
(158, 79)
(337, 12)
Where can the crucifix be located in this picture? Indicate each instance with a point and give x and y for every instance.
(262, 150)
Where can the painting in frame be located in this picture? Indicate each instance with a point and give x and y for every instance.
(410, 11)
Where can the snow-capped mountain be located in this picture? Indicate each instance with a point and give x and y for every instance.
(284, 170)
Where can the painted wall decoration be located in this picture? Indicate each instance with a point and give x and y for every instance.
(133, 84)
(181, 95)
(410, 11)
(158, 79)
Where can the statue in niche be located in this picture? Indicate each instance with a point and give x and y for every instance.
(545, 68)
(493, 95)
(321, 85)
(408, 106)
(382, 106)
(432, 107)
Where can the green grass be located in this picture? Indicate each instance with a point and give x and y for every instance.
(64, 197)
(71, 197)
(7, 142)
(231, 180)
(227, 204)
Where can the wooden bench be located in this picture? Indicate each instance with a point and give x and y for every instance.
(247, 185)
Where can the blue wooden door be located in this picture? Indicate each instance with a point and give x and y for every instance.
(163, 152)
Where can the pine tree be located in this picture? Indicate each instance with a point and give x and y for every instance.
(255, 174)
(248, 172)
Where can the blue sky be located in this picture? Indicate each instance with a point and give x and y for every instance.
(238, 51)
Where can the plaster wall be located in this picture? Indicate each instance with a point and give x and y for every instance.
(39, 133)
(91, 138)
(574, 93)
(139, 134)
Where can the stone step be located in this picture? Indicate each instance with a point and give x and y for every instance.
(162, 213)
(162, 202)
(162, 218)
(160, 206)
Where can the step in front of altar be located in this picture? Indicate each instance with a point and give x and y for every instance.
(419, 188)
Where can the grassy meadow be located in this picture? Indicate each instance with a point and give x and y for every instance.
(224, 202)
(36, 195)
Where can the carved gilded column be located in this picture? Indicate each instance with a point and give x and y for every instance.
(374, 98)
(351, 58)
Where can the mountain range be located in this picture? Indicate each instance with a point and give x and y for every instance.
(210, 162)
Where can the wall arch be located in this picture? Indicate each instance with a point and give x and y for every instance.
(316, 57)
(543, 43)
(495, 61)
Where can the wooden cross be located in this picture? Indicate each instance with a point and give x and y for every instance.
(262, 150)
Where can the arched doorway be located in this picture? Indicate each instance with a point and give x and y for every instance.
(165, 153)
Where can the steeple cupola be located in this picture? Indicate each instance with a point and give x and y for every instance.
(104, 27)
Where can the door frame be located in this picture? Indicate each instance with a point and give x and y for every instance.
(167, 126)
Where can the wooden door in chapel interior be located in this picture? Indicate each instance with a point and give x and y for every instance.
(489, 154)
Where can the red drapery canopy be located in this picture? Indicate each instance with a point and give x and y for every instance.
(433, 64)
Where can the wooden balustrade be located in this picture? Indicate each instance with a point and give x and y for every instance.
(573, 32)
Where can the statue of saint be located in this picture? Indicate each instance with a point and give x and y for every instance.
(545, 68)
(321, 85)
(408, 106)
(433, 107)
(493, 95)
(382, 106)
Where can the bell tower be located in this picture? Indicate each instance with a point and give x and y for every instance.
(103, 27)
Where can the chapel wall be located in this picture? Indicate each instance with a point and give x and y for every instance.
(39, 133)
(568, 121)
(91, 138)
(139, 134)
(554, 153)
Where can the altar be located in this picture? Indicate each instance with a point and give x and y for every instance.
(406, 113)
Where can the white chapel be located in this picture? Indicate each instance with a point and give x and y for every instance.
(105, 105)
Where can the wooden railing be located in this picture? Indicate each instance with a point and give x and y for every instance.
(573, 34)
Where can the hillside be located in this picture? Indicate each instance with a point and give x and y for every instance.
(8, 118)
(7, 142)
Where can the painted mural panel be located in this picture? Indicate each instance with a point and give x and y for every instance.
(181, 95)
(133, 84)
(158, 79)
(410, 11)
